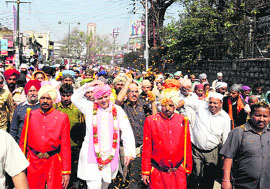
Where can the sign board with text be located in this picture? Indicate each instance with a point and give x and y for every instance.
(4, 44)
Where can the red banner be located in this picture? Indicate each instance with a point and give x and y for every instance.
(10, 43)
(4, 53)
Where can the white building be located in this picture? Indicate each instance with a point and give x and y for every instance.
(42, 38)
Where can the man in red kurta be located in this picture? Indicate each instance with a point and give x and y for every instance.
(163, 147)
(48, 143)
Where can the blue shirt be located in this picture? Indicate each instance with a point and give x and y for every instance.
(18, 119)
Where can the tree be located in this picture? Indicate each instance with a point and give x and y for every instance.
(134, 60)
(156, 11)
(98, 46)
(209, 29)
(74, 43)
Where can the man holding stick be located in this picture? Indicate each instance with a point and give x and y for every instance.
(46, 140)
(166, 154)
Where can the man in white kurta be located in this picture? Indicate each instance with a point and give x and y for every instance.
(90, 172)
(12, 161)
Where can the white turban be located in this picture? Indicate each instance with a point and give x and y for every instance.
(185, 82)
(178, 73)
(202, 76)
(146, 82)
(119, 79)
(221, 84)
(172, 95)
(47, 89)
(236, 87)
(24, 66)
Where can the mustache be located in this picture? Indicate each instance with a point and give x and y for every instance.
(168, 111)
(32, 95)
(44, 104)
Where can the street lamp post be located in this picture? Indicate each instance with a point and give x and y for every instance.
(69, 23)
(18, 2)
(146, 55)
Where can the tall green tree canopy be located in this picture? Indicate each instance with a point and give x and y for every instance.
(209, 29)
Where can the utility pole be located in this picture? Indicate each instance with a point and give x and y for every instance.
(146, 55)
(18, 25)
(154, 29)
(115, 34)
(69, 23)
(68, 36)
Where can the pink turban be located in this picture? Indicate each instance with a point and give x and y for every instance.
(101, 90)
(199, 86)
(30, 83)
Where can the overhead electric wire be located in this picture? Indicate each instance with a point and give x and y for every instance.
(103, 9)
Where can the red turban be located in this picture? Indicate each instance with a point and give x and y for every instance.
(10, 73)
(30, 83)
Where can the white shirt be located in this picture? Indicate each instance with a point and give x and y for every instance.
(209, 130)
(12, 159)
(192, 98)
(89, 171)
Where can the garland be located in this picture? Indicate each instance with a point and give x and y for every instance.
(101, 162)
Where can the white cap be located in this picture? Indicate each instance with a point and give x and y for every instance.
(219, 74)
(24, 66)
(215, 95)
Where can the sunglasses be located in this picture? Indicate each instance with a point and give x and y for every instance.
(261, 103)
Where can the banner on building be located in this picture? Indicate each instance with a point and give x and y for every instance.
(10, 40)
(137, 28)
(4, 53)
(26, 53)
(4, 45)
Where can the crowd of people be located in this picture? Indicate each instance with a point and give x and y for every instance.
(74, 126)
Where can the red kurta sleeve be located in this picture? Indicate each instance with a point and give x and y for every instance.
(147, 148)
(189, 152)
(65, 150)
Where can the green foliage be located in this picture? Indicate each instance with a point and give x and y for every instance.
(208, 30)
(134, 60)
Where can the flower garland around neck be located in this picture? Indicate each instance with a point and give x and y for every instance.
(101, 162)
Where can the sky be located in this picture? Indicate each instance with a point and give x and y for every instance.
(44, 15)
